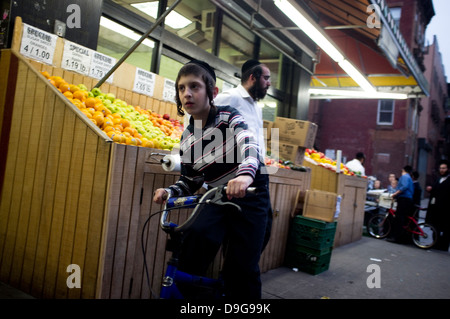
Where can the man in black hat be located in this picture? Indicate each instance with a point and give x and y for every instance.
(255, 81)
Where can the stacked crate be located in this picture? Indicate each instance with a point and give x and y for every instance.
(310, 244)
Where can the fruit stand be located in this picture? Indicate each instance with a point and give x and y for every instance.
(73, 195)
(351, 188)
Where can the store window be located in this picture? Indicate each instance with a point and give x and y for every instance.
(385, 112)
(273, 59)
(115, 40)
(236, 43)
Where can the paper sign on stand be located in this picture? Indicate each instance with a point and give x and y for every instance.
(144, 82)
(76, 58)
(37, 44)
(100, 65)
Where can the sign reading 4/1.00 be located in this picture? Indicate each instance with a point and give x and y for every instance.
(76, 58)
(38, 44)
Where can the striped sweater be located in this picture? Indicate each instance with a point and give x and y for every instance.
(216, 153)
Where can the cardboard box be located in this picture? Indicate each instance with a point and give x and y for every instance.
(268, 126)
(320, 205)
(301, 133)
(287, 152)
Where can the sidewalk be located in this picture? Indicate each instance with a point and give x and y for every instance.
(406, 272)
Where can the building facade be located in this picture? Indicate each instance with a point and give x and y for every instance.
(385, 130)
(432, 129)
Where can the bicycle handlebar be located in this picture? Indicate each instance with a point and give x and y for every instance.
(212, 196)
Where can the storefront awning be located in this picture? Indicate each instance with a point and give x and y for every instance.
(372, 42)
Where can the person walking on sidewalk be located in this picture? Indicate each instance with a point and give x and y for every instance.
(438, 213)
(405, 205)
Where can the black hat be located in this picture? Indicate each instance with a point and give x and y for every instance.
(206, 66)
(249, 64)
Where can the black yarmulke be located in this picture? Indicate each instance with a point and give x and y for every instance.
(249, 64)
(206, 66)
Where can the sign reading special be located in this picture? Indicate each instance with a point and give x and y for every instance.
(37, 44)
(76, 58)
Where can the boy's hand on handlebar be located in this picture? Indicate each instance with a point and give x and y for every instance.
(237, 186)
(160, 196)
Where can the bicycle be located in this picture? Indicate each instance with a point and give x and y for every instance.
(423, 235)
(173, 276)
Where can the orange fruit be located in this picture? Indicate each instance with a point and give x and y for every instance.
(68, 94)
(98, 116)
(57, 80)
(107, 123)
(118, 127)
(94, 121)
(46, 74)
(117, 115)
(116, 138)
(109, 129)
(90, 102)
(131, 141)
(125, 123)
(80, 95)
(130, 130)
(73, 88)
(64, 86)
(86, 112)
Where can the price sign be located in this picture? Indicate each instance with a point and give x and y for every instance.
(100, 66)
(76, 58)
(37, 44)
(144, 82)
(169, 90)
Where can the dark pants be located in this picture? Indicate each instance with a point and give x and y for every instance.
(243, 235)
(405, 208)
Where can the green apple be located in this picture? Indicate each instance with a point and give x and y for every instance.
(111, 97)
(96, 91)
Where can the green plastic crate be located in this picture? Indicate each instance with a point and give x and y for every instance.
(308, 260)
(312, 233)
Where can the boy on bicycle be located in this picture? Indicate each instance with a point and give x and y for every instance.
(217, 149)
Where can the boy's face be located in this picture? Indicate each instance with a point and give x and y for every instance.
(193, 97)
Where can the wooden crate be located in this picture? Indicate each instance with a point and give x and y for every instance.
(353, 191)
(71, 196)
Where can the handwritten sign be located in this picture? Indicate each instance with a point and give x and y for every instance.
(144, 82)
(169, 91)
(38, 44)
(76, 58)
(100, 66)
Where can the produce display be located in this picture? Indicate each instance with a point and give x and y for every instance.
(123, 123)
(319, 158)
(280, 163)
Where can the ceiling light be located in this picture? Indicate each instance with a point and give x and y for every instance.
(343, 94)
(315, 32)
(113, 26)
(173, 19)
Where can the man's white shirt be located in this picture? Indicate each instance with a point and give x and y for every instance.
(239, 98)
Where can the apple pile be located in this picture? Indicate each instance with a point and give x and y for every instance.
(319, 158)
(123, 123)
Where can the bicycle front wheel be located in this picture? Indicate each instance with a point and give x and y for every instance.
(425, 236)
(379, 226)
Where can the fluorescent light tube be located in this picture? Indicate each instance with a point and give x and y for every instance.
(315, 32)
(358, 94)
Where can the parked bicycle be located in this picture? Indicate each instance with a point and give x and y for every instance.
(173, 276)
(423, 235)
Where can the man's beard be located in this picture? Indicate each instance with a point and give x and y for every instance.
(257, 91)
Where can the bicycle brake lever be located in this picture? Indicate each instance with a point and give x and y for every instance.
(217, 199)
